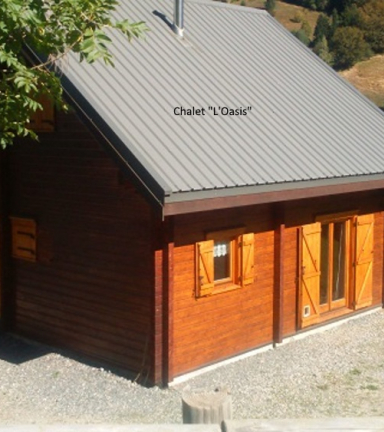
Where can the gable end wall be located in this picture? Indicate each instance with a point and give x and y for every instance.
(91, 288)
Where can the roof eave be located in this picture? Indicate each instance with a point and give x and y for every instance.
(197, 201)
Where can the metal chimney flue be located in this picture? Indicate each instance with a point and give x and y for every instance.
(178, 18)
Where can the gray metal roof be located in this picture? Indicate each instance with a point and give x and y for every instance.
(306, 123)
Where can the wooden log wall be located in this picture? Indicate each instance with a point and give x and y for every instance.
(91, 289)
(206, 330)
(213, 328)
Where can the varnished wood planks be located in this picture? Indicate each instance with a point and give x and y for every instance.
(91, 288)
(219, 326)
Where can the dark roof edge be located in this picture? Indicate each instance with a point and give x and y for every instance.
(191, 202)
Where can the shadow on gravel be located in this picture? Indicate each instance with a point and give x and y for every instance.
(17, 351)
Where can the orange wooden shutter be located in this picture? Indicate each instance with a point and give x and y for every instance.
(44, 121)
(247, 242)
(204, 268)
(310, 274)
(363, 264)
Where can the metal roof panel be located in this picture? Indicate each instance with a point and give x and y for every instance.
(306, 123)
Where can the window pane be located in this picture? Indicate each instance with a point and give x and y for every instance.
(324, 264)
(222, 257)
(338, 287)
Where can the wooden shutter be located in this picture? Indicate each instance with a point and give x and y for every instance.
(246, 264)
(43, 121)
(204, 268)
(23, 238)
(363, 264)
(309, 310)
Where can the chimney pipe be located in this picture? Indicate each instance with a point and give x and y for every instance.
(178, 18)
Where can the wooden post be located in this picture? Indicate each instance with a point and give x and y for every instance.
(162, 372)
(278, 295)
(168, 246)
(206, 406)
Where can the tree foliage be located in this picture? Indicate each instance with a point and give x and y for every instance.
(270, 6)
(302, 36)
(322, 29)
(372, 14)
(322, 50)
(349, 47)
(53, 28)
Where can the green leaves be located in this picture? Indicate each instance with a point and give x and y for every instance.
(53, 28)
(94, 46)
(132, 30)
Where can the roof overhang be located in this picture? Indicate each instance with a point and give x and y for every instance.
(198, 201)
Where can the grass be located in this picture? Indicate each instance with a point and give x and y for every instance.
(285, 13)
(368, 77)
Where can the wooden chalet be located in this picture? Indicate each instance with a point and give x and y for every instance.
(163, 243)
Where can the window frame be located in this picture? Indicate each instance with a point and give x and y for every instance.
(237, 240)
(343, 302)
(231, 236)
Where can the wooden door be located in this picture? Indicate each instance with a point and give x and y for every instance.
(363, 264)
(309, 312)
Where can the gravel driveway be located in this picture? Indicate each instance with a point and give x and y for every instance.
(337, 373)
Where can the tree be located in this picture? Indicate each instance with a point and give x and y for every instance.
(53, 28)
(301, 35)
(373, 24)
(323, 28)
(322, 50)
(270, 6)
(349, 47)
(352, 17)
(341, 5)
(335, 22)
(306, 28)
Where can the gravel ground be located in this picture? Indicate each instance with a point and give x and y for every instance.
(336, 373)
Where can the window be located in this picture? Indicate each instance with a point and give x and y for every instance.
(43, 120)
(23, 238)
(336, 266)
(224, 261)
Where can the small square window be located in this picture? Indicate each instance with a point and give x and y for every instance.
(224, 262)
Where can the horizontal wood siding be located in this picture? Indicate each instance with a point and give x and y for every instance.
(217, 327)
(91, 289)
